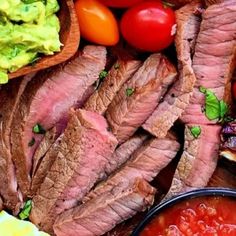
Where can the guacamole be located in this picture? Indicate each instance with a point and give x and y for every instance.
(28, 28)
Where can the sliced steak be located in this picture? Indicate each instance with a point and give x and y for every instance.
(211, 2)
(213, 61)
(124, 151)
(101, 214)
(43, 158)
(138, 98)
(82, 156)
(44, 164)
(178, 97)
(9, 101)
(146, 163)
(46, 143)
(47, 100)
(120, 72)
(198, 161)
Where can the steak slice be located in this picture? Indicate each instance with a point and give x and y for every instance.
(213, 61)
(120, 72)
(44, 165)
(124, 151)
(138, 98)
(211, 2)
(101, 214)
(9, 102)
(146, 163)
(42, 160)
(46, 143)
(198, 161)
(84, 151)
(47, 100)
(178, 97)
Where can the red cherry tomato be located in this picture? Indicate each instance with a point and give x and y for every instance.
(97, 23)
(149, 26)
(120, 3)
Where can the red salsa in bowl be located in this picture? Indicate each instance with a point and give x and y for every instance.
(193, 214)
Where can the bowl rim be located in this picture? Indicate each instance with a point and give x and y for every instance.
(210, 191)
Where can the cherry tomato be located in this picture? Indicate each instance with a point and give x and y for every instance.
(97, 23)
(149, 26)
(120, 3)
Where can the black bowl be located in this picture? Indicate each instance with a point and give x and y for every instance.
(224, 192)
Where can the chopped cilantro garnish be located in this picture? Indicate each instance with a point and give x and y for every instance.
(195, 131)
(103, 75)
(214, 108)
(38, 129)
(129, 92)
(25, 212)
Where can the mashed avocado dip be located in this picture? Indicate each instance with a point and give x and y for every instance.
(28, 28)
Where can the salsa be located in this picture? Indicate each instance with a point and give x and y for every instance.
(203, 216)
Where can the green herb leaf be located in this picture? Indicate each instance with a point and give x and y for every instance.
(214, 108)
(38, 129)
(117, 66)
(223, 109)
(31, 142)
(129, 92)
(195, 131)
(103, 75)
(25, 212)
